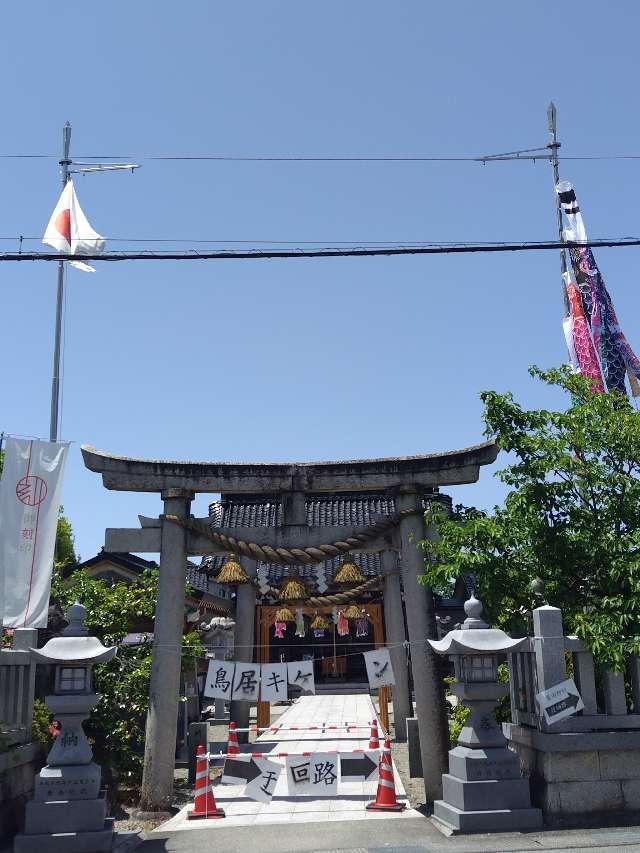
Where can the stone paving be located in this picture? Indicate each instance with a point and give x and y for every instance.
(348, 804)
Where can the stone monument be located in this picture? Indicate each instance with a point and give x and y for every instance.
(68, 812)
(483, 790)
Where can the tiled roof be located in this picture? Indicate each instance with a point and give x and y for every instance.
(202, 580)
(357, 510)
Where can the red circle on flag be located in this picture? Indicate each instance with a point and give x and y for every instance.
(31, 490)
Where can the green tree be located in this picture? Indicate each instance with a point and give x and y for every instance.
(64, 554)
(571, 518)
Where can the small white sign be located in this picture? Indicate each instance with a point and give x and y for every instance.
(261, 788)
(246, 682)
(313, 775)
(379, 669)
(219, 681)
(300, 674)
(273, 686)
(560, 701)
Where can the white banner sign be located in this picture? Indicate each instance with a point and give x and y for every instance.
(315, 775)
(273, 687)
(258, 775)
(379, 670)
(219, 681)
(246, 683)
(560, 701)
(261, 787)
(300, 674)
(29, 505)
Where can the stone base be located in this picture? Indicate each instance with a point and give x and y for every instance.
(581, 778)
(71, 782)
(455, 821)
(476, 765)
(18, 767)
(488, 794)
(67, 842)
(65, 816)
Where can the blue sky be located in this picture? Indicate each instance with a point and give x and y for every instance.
(303, 359)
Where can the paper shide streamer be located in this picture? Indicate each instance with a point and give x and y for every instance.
(597, 346)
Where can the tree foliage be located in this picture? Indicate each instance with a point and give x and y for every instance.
(117, 725)
(65, 553)
(571, 518)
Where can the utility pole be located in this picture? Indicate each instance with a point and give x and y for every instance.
(55, 382)
(66, 172)
(554, 145)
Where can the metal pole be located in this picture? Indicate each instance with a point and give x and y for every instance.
(554, 145)
(55, 382)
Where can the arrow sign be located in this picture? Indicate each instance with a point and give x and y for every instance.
(359, 767)
(238, 770)
(560, 701)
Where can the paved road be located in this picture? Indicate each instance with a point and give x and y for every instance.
(415, 835)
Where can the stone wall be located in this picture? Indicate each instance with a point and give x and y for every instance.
(580, 778)
(18, 767)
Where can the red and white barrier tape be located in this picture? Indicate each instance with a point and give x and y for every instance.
(213, 755)
(320, 728)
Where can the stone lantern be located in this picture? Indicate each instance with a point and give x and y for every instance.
(483, 790)
(68, 812)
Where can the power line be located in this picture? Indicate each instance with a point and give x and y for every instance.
(322, 243)
(324, 252)
(537, 154)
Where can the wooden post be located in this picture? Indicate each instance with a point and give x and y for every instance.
(378, 642)
(263, 619)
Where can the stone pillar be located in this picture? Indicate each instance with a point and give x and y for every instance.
(243, 641)
(549, 646)
(421, 625)
(395, 631)
(164, 690)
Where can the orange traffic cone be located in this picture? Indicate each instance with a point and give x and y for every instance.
(205, 802)
(232, 747)
(385, 800)
(374, 741)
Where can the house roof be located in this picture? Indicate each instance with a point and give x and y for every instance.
(124, 560)
(201, 582)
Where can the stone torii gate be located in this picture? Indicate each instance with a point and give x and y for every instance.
(405, 478)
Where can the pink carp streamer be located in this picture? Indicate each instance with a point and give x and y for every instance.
(597, 345)
(584, 351)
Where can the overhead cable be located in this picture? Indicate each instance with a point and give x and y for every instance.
(525, 154)
(325, 252)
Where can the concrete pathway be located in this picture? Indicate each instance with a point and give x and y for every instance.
(352, 797)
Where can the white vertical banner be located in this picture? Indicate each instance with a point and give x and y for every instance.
(300, 674)
(219, 681)
(273, 685)
(379, 669)
(29, 505)
(246, 684)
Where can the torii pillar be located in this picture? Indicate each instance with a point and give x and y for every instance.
(396, 636)
(164, 689)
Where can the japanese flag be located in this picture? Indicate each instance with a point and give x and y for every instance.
(69, 231)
